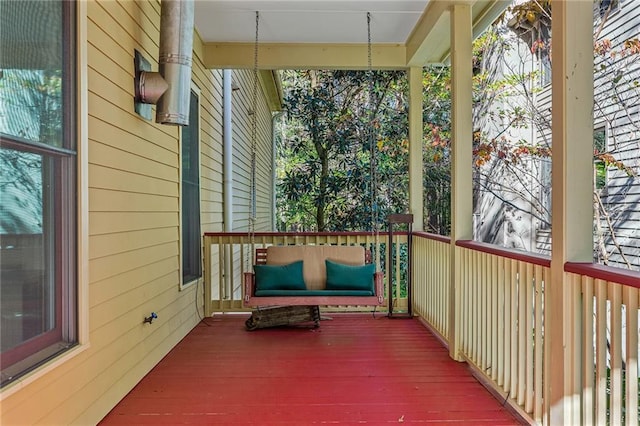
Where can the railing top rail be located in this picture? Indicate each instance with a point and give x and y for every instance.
(522, 256)
(430, 236)
(604, 272)
(301, 234)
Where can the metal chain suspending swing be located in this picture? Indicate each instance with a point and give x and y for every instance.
(373, 167)
(253, 151)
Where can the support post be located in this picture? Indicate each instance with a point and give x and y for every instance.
(461, 177)
(416, 173)
(572, 206)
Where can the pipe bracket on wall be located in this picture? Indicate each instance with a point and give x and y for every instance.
(149, 86)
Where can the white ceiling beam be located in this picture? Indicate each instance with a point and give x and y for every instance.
(429, 40)
(485, 13)
(303, 56)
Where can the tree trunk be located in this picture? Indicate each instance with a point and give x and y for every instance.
(322, 193)
(324, 173)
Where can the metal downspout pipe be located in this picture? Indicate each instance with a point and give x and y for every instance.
(227, 138)
(274, 153)
(176, 50)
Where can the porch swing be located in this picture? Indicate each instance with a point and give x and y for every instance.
(310, 275)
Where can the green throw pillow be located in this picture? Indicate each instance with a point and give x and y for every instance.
(279, 277)
(350, 277)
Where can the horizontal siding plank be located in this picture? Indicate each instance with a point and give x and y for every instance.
(107, 178)
(116, 137)
(130, 301)
(100, 62)
(101, 14)
(124, 242)
(121, 58)
(111, 266)
(132, 123)
(107, 288)
(129, 324)
(110, 222)
(116, 159)
(117, 96)
(138, 15)
(104, 200)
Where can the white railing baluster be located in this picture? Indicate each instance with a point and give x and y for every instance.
(615, 354)
(494, 317)
(528, 283)
(523, 333)
(501, 326)
(508, 301)
(538, 344)
(588, 351)
(482, 323)
(601, 397)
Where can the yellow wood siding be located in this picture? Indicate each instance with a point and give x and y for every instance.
(242, 140)
(134, 227)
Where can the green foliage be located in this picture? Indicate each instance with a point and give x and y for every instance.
(335, 135)
(436, 151)
(343, 154)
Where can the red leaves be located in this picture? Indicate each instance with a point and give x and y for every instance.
(538, 45)
(632, 46)
(611, 161)
(602, 47)
(506, 150)
(605, 47)
(437, 139)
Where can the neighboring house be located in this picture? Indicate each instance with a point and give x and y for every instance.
(617, 132)
(520, 214)
(506, 211)
(74, 151)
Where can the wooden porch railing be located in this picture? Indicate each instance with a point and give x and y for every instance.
(502, 321)
(500, 314)
(501, 325)
(609, 344)
(228, 255)
(431, 271)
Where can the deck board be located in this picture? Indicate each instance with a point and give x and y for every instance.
(355, 369)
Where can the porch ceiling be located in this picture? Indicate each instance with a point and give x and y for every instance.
(331, 34)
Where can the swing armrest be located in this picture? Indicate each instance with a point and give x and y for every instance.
(249, 285)
(378, 283)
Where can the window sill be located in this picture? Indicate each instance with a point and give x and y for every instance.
(191, 283)
(42, 370)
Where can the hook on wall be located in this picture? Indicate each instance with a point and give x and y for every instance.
(150, 318)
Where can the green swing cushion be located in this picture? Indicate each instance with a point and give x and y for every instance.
(350, 277)
(279, 277)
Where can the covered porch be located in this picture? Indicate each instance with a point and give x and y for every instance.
(493, 331)
(556, 337)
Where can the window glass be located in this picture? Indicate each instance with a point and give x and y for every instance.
(191, 242)
(600, 167)
(26, 225)
(31, 101)
(37, 184)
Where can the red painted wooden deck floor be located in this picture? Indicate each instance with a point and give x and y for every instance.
(352, 370)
